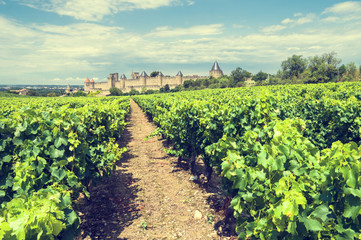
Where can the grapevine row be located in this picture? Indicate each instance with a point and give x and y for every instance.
(289, 156)
(51, 150)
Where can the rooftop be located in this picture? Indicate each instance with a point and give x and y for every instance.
(216, 67)
(144, 74)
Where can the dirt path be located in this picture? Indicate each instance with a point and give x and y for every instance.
(150, 197)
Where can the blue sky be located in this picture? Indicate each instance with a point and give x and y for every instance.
(64, 41)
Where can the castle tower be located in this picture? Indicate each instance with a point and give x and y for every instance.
(160, 78)
(179, 78)
(143, 78)
(92, 83)
(87, 85)
(113, 77)
(135, 75)
(122, 79)
(216, 71)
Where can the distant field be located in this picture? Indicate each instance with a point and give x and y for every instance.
(5, 94)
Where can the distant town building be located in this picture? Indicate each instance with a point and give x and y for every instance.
(143, 81)
(249, 82)
(23, 91)
(70, 90)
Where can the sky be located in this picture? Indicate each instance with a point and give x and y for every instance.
(65, 41)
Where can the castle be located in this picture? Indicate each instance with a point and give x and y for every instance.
(143, 81)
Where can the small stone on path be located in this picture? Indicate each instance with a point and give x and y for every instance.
(198, 215)
(193, 178)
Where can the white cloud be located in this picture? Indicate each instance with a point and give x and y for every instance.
(44, 49)
(345, 8)
(200, 30)
(273, 28)
(2, 3)
(238, 26)
(95, 10)
(300, 20)
(331, 19)
(90, 47)
(343, 12)
(40, 51)
(287, 21)
(307, 19)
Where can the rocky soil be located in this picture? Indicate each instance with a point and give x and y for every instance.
(151, 196)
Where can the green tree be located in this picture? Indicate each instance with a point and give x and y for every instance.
(115, 91)
(32, 93)
(164, 89)
(199, 82)
(276, 79)
(341, 70)
(150, 91)
(260, 76)
(207, 82)
(79, 94)
(224, 82)
(51, 94)
(294, 66)
(178, 88)
(213, 85)
(322, 69)
(351, 69)
(239, 75)
(134, 92)
(154, 74)
(241, 84)
(348, 72)
(188, 83)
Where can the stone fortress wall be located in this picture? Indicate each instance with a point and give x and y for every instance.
(143, 81)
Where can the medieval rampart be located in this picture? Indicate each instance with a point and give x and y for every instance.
(143, 81)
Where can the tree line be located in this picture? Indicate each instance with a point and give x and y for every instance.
(317, 69)
(294, 70)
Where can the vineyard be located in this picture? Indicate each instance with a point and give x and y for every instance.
(288, 156)
(51, 150)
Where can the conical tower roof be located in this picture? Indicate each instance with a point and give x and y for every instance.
(87, 80)
(179, 73)
(92, 80)
(123, 76)
(161, 74)
(215, 67)
(144, 74)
